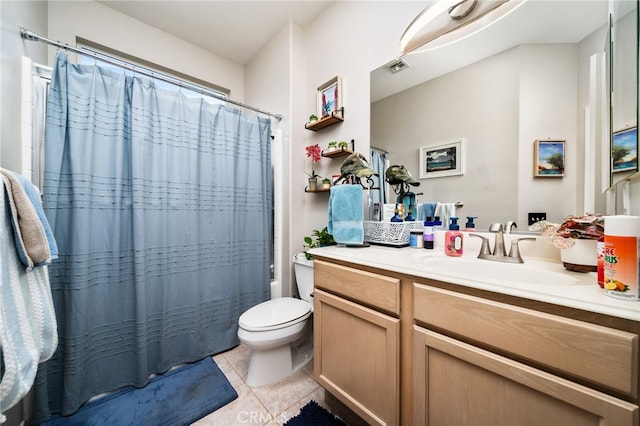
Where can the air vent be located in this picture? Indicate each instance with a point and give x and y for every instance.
(397, 66)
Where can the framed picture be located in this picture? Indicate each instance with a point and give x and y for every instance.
(330, 97)
(442, 160)
(624, 150)
(548, 158)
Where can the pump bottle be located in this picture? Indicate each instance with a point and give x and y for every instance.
(453, 239)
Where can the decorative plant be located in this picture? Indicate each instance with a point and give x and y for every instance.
(333, 144)
(313, 151)
(326, 180)
(343, 144)
(319, 238)
(313, 117)
(587, 227)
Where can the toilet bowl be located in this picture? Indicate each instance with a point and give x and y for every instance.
(279, 332)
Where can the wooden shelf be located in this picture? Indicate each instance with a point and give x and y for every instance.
(335, 117)
(306, 189)
(338, 152)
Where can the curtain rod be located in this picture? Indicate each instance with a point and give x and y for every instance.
(30, 35)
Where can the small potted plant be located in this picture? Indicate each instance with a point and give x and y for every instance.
(333, 145)
(318, 238)
(313, 118)
(343, 145)
(326, 183)
(577, 238)
(313, 151)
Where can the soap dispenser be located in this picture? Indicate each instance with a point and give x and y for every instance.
(453, 239)
(470, 226)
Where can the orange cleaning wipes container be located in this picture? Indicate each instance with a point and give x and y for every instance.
(622, 257)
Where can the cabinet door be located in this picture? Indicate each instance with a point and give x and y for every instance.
(356, 353)
(460, 384)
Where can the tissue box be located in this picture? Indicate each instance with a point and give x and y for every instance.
(395, 234)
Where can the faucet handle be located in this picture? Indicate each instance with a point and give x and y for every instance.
(515, 250)
(484, 249)
(496, 227)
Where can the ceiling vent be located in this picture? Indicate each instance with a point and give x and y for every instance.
(397, 65)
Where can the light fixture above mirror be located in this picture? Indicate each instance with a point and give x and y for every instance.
(446, 21)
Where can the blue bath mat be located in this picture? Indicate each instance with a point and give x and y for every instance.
(178, 397)
(313, 414)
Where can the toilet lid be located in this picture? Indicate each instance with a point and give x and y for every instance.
(273, 313)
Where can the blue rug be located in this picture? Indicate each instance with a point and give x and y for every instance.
(178, 397)
(313, 414)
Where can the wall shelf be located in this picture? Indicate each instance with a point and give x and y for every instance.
(317, 190)
(339, 152)
(335, 117)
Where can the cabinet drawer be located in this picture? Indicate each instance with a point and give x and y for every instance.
(374, 290)
(597, 354)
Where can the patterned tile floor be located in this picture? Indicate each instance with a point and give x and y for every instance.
(267, 405)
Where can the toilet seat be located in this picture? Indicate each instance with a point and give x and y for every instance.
(274, 314)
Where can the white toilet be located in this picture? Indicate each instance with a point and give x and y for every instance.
(279, 332)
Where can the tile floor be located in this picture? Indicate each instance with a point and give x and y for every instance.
(267, 405)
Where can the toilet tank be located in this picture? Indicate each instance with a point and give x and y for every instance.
(303, 269)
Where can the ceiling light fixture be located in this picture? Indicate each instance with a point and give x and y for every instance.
(446, 21)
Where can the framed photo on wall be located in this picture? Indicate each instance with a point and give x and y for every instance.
(446, 159)
(624, 150)
(330, 97)
(548, 158)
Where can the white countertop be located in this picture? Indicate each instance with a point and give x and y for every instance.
(570, 289)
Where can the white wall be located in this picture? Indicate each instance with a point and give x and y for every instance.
(350, 39)
(548, 110)
(14, 14)
(102, 25)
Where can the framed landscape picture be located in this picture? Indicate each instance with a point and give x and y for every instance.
(548, 158)
(446, 159)
(624, 150)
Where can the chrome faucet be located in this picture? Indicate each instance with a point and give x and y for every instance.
(499, 253)
(510, 226)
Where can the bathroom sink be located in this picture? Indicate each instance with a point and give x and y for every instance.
(530, 273)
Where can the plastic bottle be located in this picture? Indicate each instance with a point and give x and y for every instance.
(396, 217)
(410, 217)
(437, 224)
(470, 226)
(428, 234)
(453, 239)
(622, 257)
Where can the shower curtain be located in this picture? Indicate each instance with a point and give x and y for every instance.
(162, 209)
(379, 164)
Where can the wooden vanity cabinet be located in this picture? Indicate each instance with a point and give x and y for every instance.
(400, 349)
(461, 382)
(357, 340)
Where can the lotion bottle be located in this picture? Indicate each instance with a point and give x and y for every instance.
(453, 239)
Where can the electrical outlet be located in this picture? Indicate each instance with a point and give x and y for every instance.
(536, 217)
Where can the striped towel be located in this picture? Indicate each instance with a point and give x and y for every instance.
(34, 238)
(28, 329)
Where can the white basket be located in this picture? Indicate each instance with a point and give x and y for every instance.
(394, 234)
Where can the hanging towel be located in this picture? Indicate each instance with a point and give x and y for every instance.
(28, 330)
(33, 236)
(346, 214)
(427, 210)
(446, 211)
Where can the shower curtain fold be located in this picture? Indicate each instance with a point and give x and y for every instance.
(162, 209)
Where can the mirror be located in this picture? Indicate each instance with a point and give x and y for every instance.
(524, 78)
(623, 62)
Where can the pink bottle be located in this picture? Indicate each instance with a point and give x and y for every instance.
(453, 239)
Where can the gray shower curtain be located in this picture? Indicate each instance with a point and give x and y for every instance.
(162, 209)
